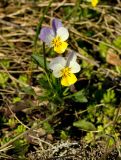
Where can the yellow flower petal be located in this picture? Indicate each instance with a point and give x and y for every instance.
(94, 3)
(68, 80)
(61, 48)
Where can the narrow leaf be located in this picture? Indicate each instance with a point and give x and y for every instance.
(85, 125)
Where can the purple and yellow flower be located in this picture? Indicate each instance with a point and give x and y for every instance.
(56, 36)
(65, 68)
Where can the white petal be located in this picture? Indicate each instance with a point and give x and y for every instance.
(49, 40)
(63, 33)
(75, 67)
(57, 72)
(58, 62)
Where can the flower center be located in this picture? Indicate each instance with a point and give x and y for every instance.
(57, 41)
(66, 72)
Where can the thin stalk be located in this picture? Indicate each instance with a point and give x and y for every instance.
(44, 55)
(117, 115)
(51, 86)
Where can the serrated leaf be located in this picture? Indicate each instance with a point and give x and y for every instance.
(85, 125)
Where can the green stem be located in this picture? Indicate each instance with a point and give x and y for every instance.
(44, 55)
(51, 86)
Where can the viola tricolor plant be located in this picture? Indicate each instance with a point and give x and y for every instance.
(62, 67)
(55, 36)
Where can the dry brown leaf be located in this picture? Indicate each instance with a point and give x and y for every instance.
(113, 58)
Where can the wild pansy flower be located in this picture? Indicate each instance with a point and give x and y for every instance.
(93, 2)
(55, 36)
(65, 68)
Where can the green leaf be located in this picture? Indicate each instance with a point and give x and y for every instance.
(85, 125)
(23, 80)
(42, 80)
(43, 98)
(103, 49)
(39, 60)
(109, 97)
(117, 42)
(48, 127)
(80, 97)
(89, 137)
(20, 129)
(12, 122)
(3, 79)
(5, 63)
(29, 90)
(16, 99)
(63, 135)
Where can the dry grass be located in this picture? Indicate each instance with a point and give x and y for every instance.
(72, 151)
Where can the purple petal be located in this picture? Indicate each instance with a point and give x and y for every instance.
(46, 35)
(70, 56)
(56, 23)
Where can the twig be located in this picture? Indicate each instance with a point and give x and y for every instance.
(17, 118)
